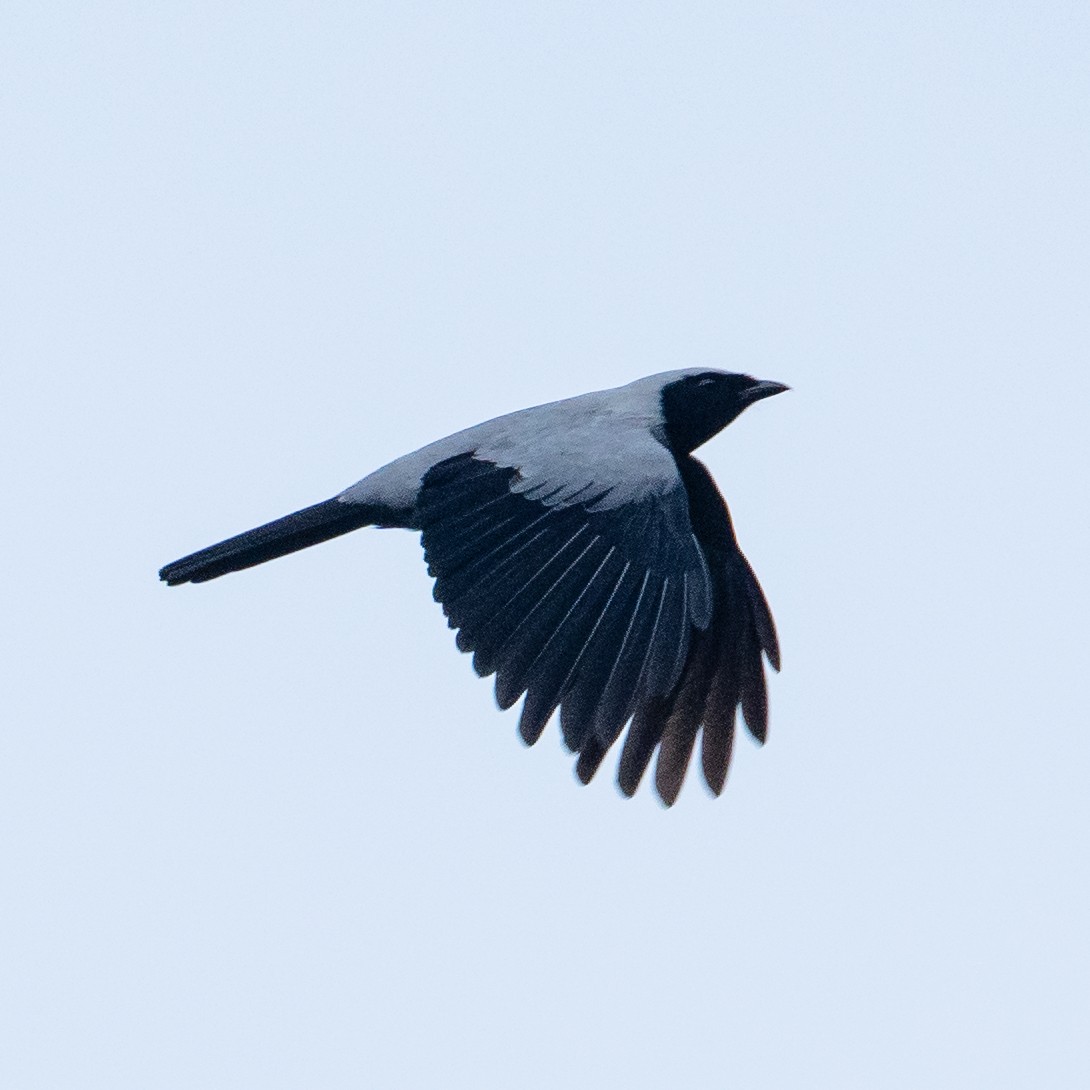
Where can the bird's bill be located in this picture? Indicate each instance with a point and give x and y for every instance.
(761, 389)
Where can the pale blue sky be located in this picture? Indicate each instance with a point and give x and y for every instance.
(272, 832)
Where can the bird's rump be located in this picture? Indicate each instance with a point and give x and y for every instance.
(608, 613)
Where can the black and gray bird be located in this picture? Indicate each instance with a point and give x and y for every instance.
(587, 559)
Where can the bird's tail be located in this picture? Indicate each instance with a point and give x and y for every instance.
(287, 535)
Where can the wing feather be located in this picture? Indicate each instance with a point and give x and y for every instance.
(643, 613)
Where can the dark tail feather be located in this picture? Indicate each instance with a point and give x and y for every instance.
(287, 535)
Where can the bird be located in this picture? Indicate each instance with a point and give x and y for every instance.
(588, 560)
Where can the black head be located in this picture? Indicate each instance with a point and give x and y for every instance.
(702, 403)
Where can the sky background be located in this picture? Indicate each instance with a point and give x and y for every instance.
(272, 832)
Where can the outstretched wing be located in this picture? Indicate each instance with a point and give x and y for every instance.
(609, 613)
(724, 669)
(580, 606)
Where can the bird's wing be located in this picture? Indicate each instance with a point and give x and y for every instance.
(723, 671)
(583, 594)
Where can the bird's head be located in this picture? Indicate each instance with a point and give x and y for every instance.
(698, 404)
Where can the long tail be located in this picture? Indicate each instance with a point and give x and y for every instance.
(287, 535)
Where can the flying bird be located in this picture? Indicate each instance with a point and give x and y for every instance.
(586, 559)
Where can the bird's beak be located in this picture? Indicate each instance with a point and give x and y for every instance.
(761, 389)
